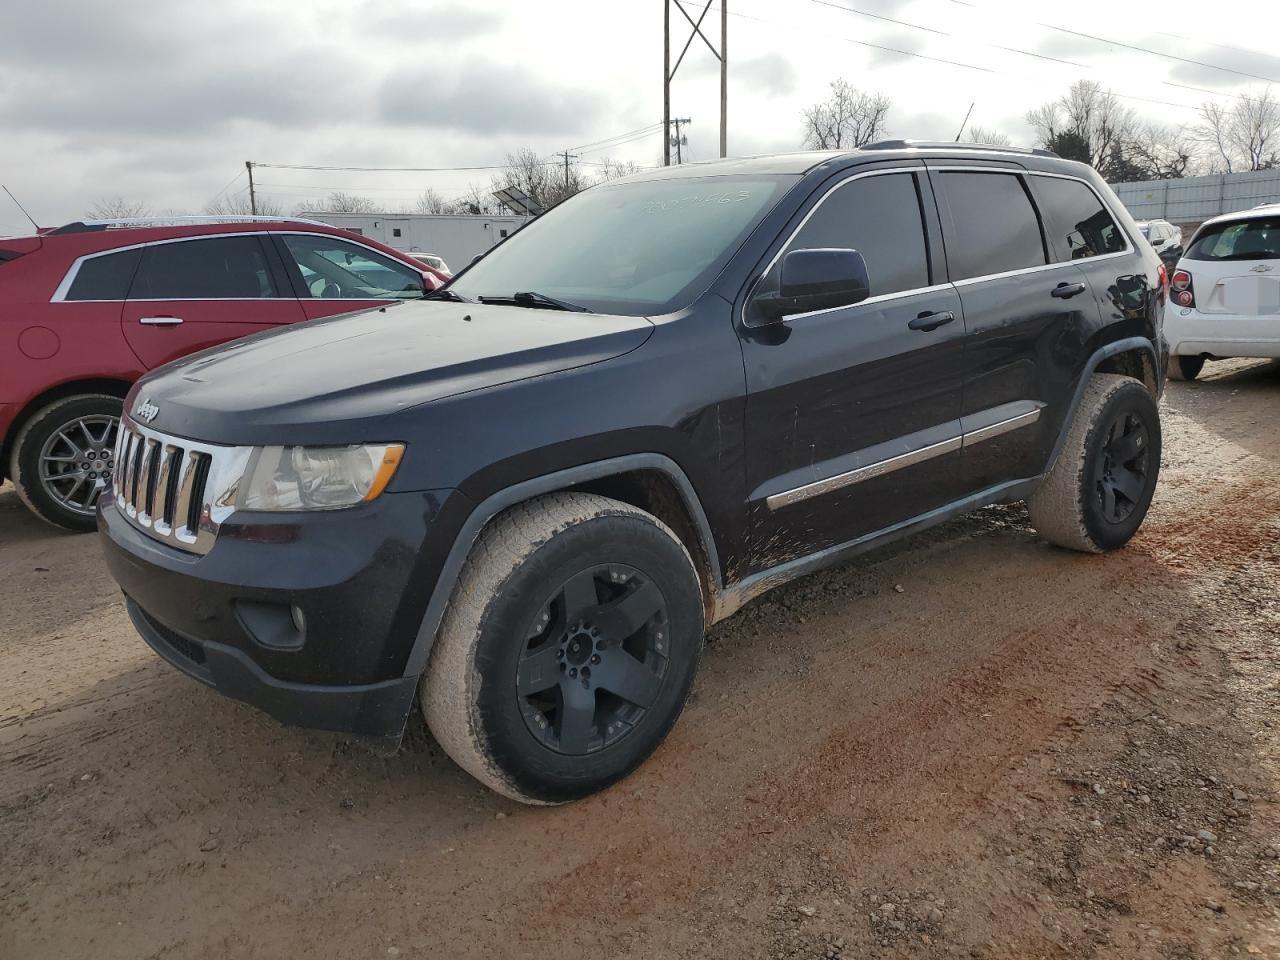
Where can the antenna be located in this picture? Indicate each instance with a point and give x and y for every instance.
(965, 123)
(21, 207)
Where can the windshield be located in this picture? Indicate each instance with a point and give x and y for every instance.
(632, 248)
(1242, 240)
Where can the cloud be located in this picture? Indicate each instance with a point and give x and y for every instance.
(485, 96)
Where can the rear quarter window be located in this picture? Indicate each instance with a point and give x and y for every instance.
(105, 277)
(1077, 223)
(1242, 240)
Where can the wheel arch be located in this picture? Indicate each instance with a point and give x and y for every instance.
(649, 481)
(111, 386)
(1132, 357)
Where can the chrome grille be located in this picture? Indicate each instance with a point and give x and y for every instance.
(176, 490)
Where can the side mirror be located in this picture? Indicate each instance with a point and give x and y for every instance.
(1157, 244)
(816, 280)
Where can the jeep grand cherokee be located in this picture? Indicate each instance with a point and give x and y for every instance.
(521, 502)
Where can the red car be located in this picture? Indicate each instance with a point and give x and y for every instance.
(87, 308)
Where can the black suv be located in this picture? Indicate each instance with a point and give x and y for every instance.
(524, 502)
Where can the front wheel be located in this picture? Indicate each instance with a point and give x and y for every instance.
(1097, 492)
(63, 458)
(568, 648)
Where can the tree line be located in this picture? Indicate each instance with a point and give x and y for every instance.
(1088, 123)
(545, 183)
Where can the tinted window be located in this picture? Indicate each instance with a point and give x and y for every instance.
(333, 269)
(1078, 224)
(993, 224)
(879, 217)
(106, 277)
(218, 268)
(1243, 240)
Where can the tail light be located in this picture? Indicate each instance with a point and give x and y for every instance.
(1184, 294)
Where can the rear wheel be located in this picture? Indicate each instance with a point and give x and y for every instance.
(568, 649)
(63, 458)
(1185, 368)
(1098, 491)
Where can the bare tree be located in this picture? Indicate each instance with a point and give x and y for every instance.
(1244, 136)
(1159, 152)
(616, 169)
(337, 202)
(431, 202)
(477, 200)
(983, 135)
(1090, 124)
(848, 118)
(117, 208)
(545, 182)
(238, 206)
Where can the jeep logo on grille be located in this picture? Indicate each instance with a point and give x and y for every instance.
(146, 411)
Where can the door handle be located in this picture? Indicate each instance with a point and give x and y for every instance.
(160, 321)
(931, 321)
(1065, 291)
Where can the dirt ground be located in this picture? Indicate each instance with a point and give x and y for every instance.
(971, 744)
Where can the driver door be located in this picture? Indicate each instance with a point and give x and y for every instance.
(334, 276)
(853, 412)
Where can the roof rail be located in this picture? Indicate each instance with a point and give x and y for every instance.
(957, 145)
(85, 226)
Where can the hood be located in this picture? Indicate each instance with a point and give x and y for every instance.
(368, 365)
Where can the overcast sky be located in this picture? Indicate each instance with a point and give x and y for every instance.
(163, 100)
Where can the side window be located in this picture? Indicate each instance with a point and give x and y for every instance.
(212, 268)
(333, 269)
(879, 216)
(1078, 224)
(106, 277)
(993, 224)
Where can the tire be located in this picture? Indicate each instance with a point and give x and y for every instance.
(1185, 368)
(553, 589)
(1097, 493)
(55, 486)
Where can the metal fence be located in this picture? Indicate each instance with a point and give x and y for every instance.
(1195, 199)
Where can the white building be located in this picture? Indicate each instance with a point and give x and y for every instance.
(459, 239)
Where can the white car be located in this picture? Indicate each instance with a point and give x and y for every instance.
(431, 260)
(1225, 292)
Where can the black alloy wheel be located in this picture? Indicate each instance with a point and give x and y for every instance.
(1120, 473)
(594, 660)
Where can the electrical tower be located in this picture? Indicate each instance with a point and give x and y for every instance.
(669, 71)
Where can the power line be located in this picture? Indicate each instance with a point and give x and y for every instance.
(1153, 53)
(1046, 57)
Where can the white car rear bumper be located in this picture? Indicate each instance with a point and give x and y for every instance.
(1191, 333)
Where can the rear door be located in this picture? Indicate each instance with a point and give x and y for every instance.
(1235, 272)
(332, 275)
(1028, 320)
(195, 293)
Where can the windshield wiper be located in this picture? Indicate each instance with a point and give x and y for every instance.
(444, 293)
(538, 301)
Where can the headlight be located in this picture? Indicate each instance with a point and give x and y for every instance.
(317, 478)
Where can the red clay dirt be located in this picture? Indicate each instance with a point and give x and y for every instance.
(970, 744)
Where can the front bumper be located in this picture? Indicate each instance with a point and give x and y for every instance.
(309, 617)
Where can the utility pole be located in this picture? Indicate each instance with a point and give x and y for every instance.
(679, 141)
(567, 157)
(669, 71)
(724, 78)
(253, 197)
(666, 83)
